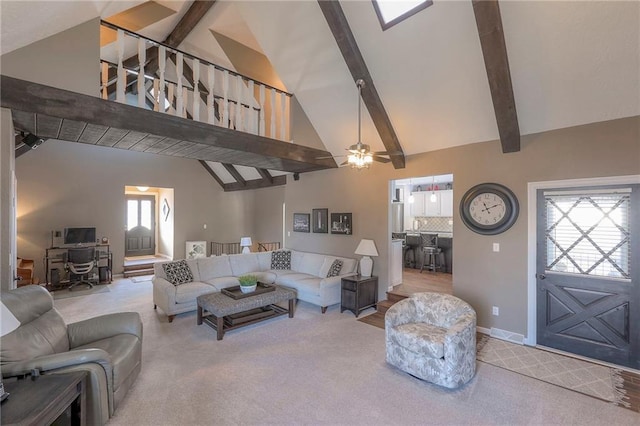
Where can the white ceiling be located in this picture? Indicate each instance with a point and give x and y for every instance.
(571, 62)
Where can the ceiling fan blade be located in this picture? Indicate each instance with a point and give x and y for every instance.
(387, 153)
(381, 159)
(344, 163)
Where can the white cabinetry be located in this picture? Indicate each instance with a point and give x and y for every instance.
(446, 202)
(432, 207)
(396, 262)
(417, 208)
(441, 207)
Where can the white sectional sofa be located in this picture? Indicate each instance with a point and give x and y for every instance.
(307, 274)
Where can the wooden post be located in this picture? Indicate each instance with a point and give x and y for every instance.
(252, 127)
(105, 79)
(211, 119)
(238, 119)
(142, 57)
(261, 112)
(162, 63)
(179, 71)
(196, 92)
(225, 94)
(283, 119)
(273, 114)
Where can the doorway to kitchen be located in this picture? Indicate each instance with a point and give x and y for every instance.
(421, 234)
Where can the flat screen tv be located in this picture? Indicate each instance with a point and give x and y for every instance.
(75, 236)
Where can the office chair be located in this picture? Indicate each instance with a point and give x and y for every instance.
(81, 262)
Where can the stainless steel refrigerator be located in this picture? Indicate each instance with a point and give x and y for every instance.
(397, 217)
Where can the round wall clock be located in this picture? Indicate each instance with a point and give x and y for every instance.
(489, 208)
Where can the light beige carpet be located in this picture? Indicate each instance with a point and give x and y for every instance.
(81, 290)
(585, 377)
(312, 369)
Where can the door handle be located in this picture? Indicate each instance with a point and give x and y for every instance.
(541, 276)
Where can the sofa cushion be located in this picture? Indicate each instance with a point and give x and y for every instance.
(281, 260)
(242, 264)
(187, 293)
(214, 267)
(310, 264)
(223, 282)
(296, 260)
(264, 260)
(298, 279)
(178, 272)
(334, 269)
(420, 338)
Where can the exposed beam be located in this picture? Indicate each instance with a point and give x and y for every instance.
(212, 173)
(235, 173)
(265, 175)
(198, 140)
(496, 62)
(255, 184)
(355, 62)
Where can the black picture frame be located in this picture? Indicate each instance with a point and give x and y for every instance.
(320, 221)
(301, 222)
(341, 224)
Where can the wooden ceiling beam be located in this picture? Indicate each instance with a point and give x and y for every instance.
(212, 173)
(496, 62)
(265, 175)
(255, 184)
(355, 62)
(235, 173)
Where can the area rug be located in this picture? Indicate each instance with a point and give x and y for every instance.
(591, 379)
(66, 293)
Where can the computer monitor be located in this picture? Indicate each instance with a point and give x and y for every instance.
(79, 236)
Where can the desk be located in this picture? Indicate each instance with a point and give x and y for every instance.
(54, 259)
(58, 398)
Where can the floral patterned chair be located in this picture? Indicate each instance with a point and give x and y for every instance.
(432, 336)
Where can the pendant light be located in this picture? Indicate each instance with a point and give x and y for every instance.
(433, 197)
(411, 197)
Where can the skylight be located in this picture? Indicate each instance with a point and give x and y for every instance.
(391, 12)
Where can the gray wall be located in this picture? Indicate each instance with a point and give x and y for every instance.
(480, 276)
(63, 184)
(7, 255)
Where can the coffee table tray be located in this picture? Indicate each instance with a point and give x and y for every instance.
(236, 293)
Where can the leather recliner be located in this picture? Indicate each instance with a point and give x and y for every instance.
(108, 348)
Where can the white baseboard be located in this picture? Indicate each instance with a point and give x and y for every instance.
(509, 336)
(483, 330)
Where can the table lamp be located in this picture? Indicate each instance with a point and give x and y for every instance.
(366, 248)
(245, 243)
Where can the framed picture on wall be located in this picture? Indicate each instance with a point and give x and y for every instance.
(301, 222)
(341, 224)
(320, 221)
(196, 249)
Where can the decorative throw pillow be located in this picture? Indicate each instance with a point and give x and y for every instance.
(334, 269)
(178, 272)
(281, 260)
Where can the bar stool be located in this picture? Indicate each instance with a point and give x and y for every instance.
(431, 251)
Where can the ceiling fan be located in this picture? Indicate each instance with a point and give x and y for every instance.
(360, 155)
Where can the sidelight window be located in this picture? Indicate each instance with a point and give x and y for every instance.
(588, 232)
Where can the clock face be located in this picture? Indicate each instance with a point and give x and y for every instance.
(489, 208)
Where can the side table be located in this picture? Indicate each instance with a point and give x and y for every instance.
(47, 399)
(359, 293)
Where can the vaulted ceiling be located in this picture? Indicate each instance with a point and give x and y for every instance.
(571, 62)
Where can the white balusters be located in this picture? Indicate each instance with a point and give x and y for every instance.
(196, 90)
(179, 99)
(251, 116)
(142, 58)
(261, 127)
(170, 99)
(283, 122)
(162, 64)
(210, 99)
(225, 94)
(238, 119)
(185, 95)
(104, 77)
(122, 75)
(156, 94)
(272, 117)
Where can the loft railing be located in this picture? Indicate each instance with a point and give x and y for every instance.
(178, 83)
(218, 249)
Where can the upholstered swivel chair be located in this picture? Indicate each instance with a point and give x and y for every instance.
(108, 348)
(432, 336)
(81, 262)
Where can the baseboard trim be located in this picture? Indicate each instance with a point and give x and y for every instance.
(509, 336)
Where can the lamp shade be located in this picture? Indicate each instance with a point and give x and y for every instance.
(8, 321)
(367, 248)
(245, 242)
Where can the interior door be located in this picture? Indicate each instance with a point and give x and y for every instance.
(587, 272)
(141, 227)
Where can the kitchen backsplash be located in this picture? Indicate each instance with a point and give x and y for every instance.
(440, 224)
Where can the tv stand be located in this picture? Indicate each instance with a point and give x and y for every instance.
(55, 259)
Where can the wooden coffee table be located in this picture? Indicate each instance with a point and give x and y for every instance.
(225, 313)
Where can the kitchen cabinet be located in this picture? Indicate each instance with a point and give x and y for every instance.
(446, 202)
(417, 207)
(423, 206)
(432, 207)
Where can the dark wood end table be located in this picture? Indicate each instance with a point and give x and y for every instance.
(359, 293)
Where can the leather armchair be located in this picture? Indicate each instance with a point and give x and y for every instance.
(107, 347)
(432, 336)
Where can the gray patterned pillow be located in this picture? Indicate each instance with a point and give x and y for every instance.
(334, 269)
(178, 272)
(281, 260)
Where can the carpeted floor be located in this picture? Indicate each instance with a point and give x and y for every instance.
(312, 369)
(80, 291)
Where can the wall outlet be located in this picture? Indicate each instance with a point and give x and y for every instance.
(288, 233)
(496, 247)
(495, 311)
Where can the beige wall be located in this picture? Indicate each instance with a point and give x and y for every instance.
(7, 223)
(63, 184)
(267, 219)
(482, 277)
(68, 60)
(165, 223)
